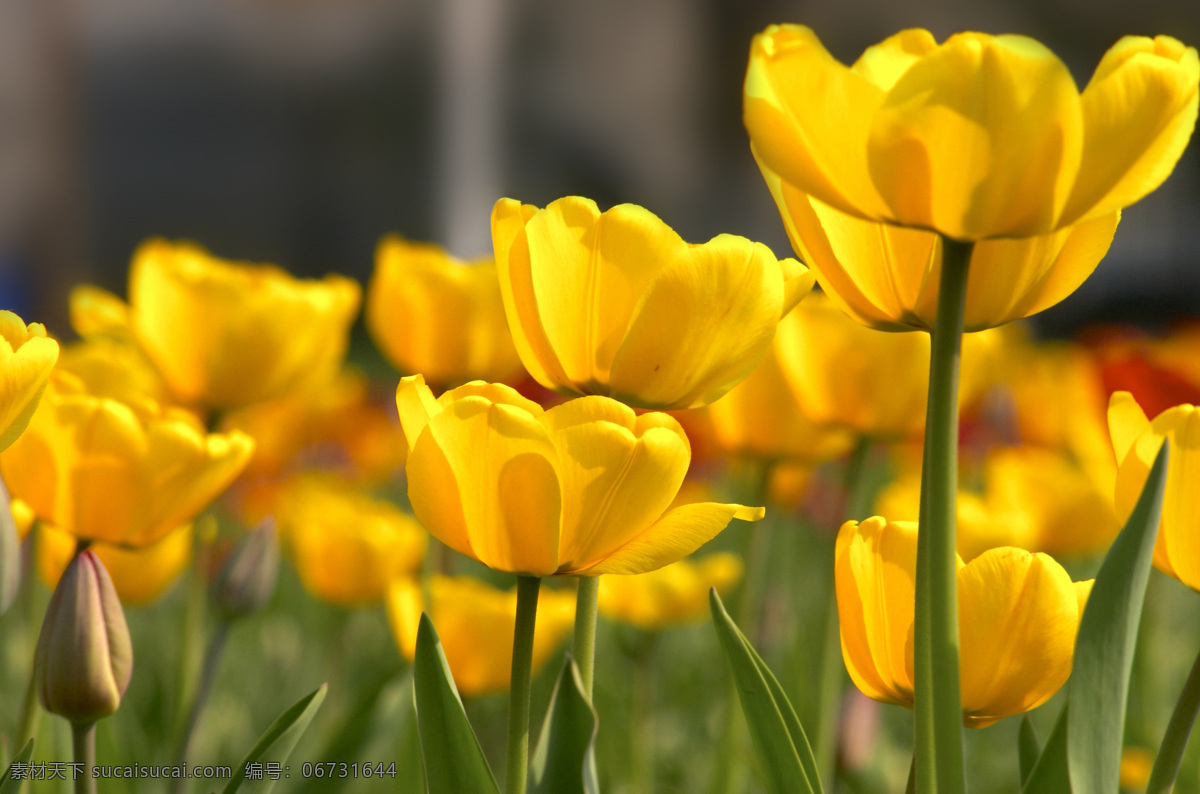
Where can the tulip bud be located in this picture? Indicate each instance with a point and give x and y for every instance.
(10, 553)
(247, 581)
(84, 657)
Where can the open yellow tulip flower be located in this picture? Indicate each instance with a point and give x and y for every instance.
(225, 334)
(475, 624)
(617, 304)
(671, 596)
(582, 488)
(432, 314)
(887, 276)
(346, 545)
(1136, 440)
(139, 576)
(871, 383)
(977, 137)
(1018, 614)
(27, 356)
(122, 473)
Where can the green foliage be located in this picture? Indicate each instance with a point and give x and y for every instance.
(565, 759)
(277, 743)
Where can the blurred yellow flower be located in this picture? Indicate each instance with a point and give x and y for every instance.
(346, 545)
(1136, 441)
(225, 334)
(475, 623)
(977, 137)
(1018, 614)
(111, 368)
(27, 356)
(671, 596)
(96, 312)
(432, 314)
(763, 417)
(23, 517)
(139, 575)
(582, 488)
(617, 304)
(867, 381)
(121, 473)
(1136, 765)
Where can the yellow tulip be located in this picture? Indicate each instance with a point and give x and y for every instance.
(1018, 614)
(763, 417)
(224, 334)
(96, 312)
(121, 473)
(582, 488)
(617, 304)
(671, 596)
(887, 276)
(859, 379)
(115, 369)
(139, 576)
(23, 517)
(1136, 441)
(977, 137)
(27, 356)
(432, 314)
(475, 623)
(347, 546)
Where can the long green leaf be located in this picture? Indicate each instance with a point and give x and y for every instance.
(1049, 775)
(450, 752)
(778, 736)
(10, 784)
(1104, 648)
(277, 742)
(565, 759)
(1028, 748)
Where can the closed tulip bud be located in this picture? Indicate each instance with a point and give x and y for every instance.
(247, 581)
(26, 358)
(84, 656)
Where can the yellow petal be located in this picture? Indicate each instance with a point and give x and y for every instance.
(416, 405)
(27, 357)
(483, 479)
(884, 63)
(1181, 507)
(1126, 422)
(979, 138)
(98, 312)
(808, 117)
(139, 576)
(619, 473)
(1018, 616)
(674, 536)
(673, 595)
(703, 324)
(1139, 111)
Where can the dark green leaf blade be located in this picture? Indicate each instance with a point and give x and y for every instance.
(278, 741)
(1049, 775)
(10, 784)
(565, 759)
(1029, 748)
(451, 754)
(776, 731)
(1105, 645)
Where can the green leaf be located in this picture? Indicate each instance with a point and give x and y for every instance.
(278, 741)
(565, 759)
(450, 752)
(10, 784)
(778, 736)
(1049, 775)
(1105, 645)
(1028, 748)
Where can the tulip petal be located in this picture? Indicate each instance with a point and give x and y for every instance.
(589, 271)
(1181, 508)
(702, 325)
(1139, 111)
(620, 472)
(27, 357)
(1018, 616)
(98, 312)
(808, 118)
(674, 536)
(979, 138)
(884, 63)
(416, 405)
(483, 479)
(1126, 422)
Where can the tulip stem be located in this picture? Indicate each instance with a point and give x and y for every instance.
(939, 753)
(30, 710)
(1179, 729)
(208, 676)
(584, 647)
(522, 675)
(758, 557)
(83, 741)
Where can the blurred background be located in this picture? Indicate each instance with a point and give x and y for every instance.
(299, 131)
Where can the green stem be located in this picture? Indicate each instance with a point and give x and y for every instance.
(643, 732)
(27, 723)
(1170, 752)
(83, 741)
(857, 494)
(939, 753)
(208, 676)
(584, 647)
(522, 676)
(757, 556)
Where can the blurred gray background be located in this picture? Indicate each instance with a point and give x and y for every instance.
(300, 131)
